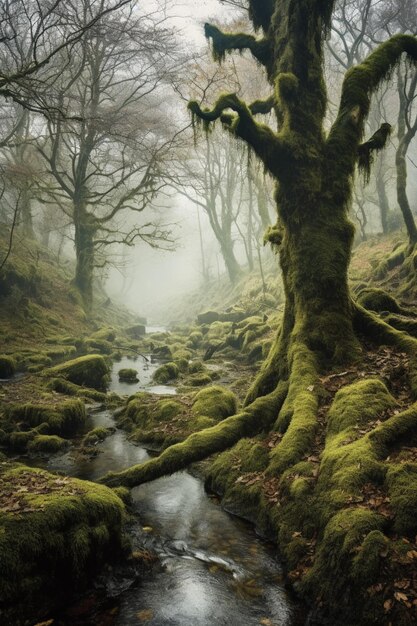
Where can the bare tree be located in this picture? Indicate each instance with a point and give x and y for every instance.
(111, 163)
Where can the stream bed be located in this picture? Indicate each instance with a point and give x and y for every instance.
(214, 569)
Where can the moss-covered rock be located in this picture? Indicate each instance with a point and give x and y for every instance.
(128, 375)
(208, 317)
(46, 444)
(194, 340)
(62, 418)
(199, 379)
(215, 402)
(55, 532)
(165, 373)
(7, 366)
(93, 437)
(71, 389)
(136, 331)
(91, 370)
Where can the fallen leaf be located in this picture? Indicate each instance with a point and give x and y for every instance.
(401, 597)
(145, 615)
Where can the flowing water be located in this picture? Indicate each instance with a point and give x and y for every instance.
(214, 570)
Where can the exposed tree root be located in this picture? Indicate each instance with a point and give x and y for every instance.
(318, 470)
(253, 419)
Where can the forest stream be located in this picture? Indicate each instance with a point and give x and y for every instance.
(213, 568)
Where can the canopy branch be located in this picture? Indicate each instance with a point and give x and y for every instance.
(262, 107)
(360, 83)
(224, 42)
(267, 144)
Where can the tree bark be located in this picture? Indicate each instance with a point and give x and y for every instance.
(85, 230)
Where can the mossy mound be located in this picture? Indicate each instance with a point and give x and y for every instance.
(93, 437)
(215, 402)
(378, 300)
(91, 370)
(165, 373)
(7, 366)
(62, 418)
(199, 379)
(46, 444)
(136, 331)
(128, 375)
(71, 389)
(55, 532)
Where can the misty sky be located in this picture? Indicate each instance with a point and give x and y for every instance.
(153, 277)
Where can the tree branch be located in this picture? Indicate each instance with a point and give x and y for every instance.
(360, 83)
(227, 42)
(267, 145)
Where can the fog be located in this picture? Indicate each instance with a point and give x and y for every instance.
(146, 279)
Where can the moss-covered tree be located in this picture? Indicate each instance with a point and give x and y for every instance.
(322, 326)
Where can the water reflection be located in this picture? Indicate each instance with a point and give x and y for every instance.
(214, 570)
(145, 371)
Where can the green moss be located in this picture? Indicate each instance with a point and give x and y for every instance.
(91, 370)
(402, 485)
(366, 565)
(65, 386)
(46, 444)
(128, 375)
(100, 346)
(345, 534)
(215, 402)
(61, 531)
(196, 366)
(182, 364)
(298, 416)
(61, 352)
(19, 440)
(358, 405)
(378, 300)
(136, 331)
(7, 366)
(194, 340)
(62, 418)
(96, 435)
(166, 409)
(165, 373)
(199, 379)
(205, 442)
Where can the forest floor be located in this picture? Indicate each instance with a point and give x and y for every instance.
(42, 410)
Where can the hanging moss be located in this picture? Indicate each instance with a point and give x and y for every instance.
(228, 42)
(367, 150)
